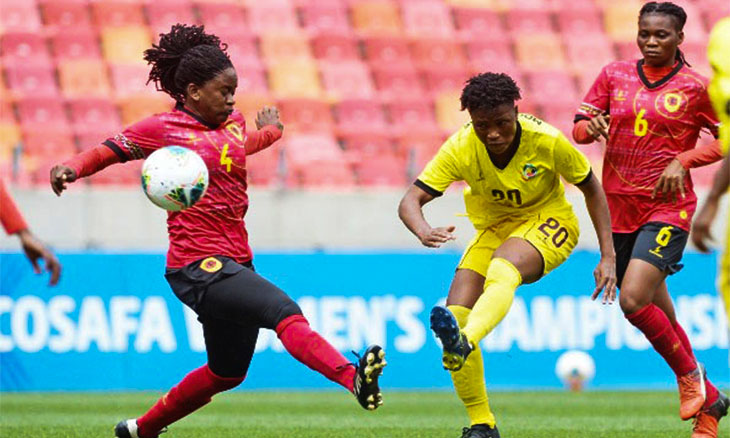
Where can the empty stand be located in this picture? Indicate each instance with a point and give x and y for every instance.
(347, 80)
(427, 19)
(83, 78)
(23, 48)
(125, 44)
(376, 18)
(335, 47)
(360, 116)
(306, 115)
(162, 14)
(61, 16)
(117, 13)
(327, 18)
(75, 44)
(26, 81)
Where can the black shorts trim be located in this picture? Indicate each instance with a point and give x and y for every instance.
(428, 189)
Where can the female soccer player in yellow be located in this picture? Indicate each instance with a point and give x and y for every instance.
(525, 227)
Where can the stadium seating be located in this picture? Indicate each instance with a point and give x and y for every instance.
(379, 75)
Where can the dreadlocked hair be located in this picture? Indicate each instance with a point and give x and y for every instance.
(183, 56)
(488, 91)
(675, 11)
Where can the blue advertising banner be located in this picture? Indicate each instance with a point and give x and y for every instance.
(114, 324)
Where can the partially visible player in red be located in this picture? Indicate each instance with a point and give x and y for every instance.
(34, 249)
(209, 261)
(651, 111)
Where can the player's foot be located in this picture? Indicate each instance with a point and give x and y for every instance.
(480, 431)
(456, 346)
(706, 421)
(692, 392)
(369, 367)
(128, 429)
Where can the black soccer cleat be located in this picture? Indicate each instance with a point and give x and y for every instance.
(480, 431)
(455, 344)
(128, 429)
(367, 371)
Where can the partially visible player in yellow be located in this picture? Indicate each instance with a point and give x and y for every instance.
(525, 227)
(718, 53)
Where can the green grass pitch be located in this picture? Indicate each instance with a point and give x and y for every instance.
(336, 414)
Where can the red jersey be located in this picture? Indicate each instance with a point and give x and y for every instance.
(651, 123)
(215, 225)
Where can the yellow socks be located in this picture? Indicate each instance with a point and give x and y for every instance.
(469, 380)
(502, 280)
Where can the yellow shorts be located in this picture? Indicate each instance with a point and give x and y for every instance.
(553, 234)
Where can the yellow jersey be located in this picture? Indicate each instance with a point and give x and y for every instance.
(718, 53)
(528, 184)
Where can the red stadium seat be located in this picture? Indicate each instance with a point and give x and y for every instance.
(316, 161)
(335, 47)
(360, 116)
(222, 17)
(117, 13)
(94, 116)
(7, 112)
(358, 144)
(576, 23)
(243, 51)
(588, 53)
(73, 44)
(443, 53)
(284, 47)
(306, 115)
(264, 17)
(387, 51)
(66, 15)
(397, 83)
(28, 81)
(491, 55)
(162, 14)
(249, 104)
(560, 115)
(347, 79)
(330, 175)
(521, 21)
(449, 115)
(263, 169)
(474, 24)
(252, 80)
(24, 49)
(84, 78)
(47, 142)
(295, 79)
(135, 108)
(382, 170)
(20, 16)
(627, 50)
(551, 87)
(129, 80)
(304, 149)
(445, 79)
(412, 115)
(319, 18)
(418, 149)
(539, 52)
(39, 113)
(427, 19)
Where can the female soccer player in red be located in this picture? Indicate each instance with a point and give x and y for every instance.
(209, 261)
(651, 112)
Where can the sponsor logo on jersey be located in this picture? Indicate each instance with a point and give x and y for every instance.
(529, 171)
(211, 264)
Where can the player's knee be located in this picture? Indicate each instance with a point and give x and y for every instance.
(224, 382)
(631, 301)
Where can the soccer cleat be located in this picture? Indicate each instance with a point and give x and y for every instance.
(692, 392)
(368, 370)
(706, 421)
(128, 429)
(480, 431)
(456, 346)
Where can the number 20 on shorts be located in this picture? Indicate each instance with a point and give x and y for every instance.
(552, 228)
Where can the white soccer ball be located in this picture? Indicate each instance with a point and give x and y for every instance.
(174, 178)
(574, 368)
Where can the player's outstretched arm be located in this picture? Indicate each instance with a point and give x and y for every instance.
(605, 272)
(84, 164)
(704, 218)
(410, 211)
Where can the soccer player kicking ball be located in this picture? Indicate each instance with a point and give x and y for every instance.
(651, 112)
(525, 227)
(209, 262)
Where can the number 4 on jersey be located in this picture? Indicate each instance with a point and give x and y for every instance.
(225, 159)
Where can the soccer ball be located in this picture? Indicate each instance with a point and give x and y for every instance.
(575, 368)
(174, 178)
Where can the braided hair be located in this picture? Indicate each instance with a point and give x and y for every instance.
(672, 10)
(183, 56)
(488, 91)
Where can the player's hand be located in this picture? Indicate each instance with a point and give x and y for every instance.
(605, 276)
(60, 175)
(268, 116)
(598, 126)
(701, 226)
(35, 250)
(671, 181)
(435, 237)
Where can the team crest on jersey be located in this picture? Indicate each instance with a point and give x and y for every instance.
(529, 171)
(211, 264)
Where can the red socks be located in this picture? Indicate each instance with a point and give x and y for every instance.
(655, 325)
(683, 338)
(311, 349)
(192, 393)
